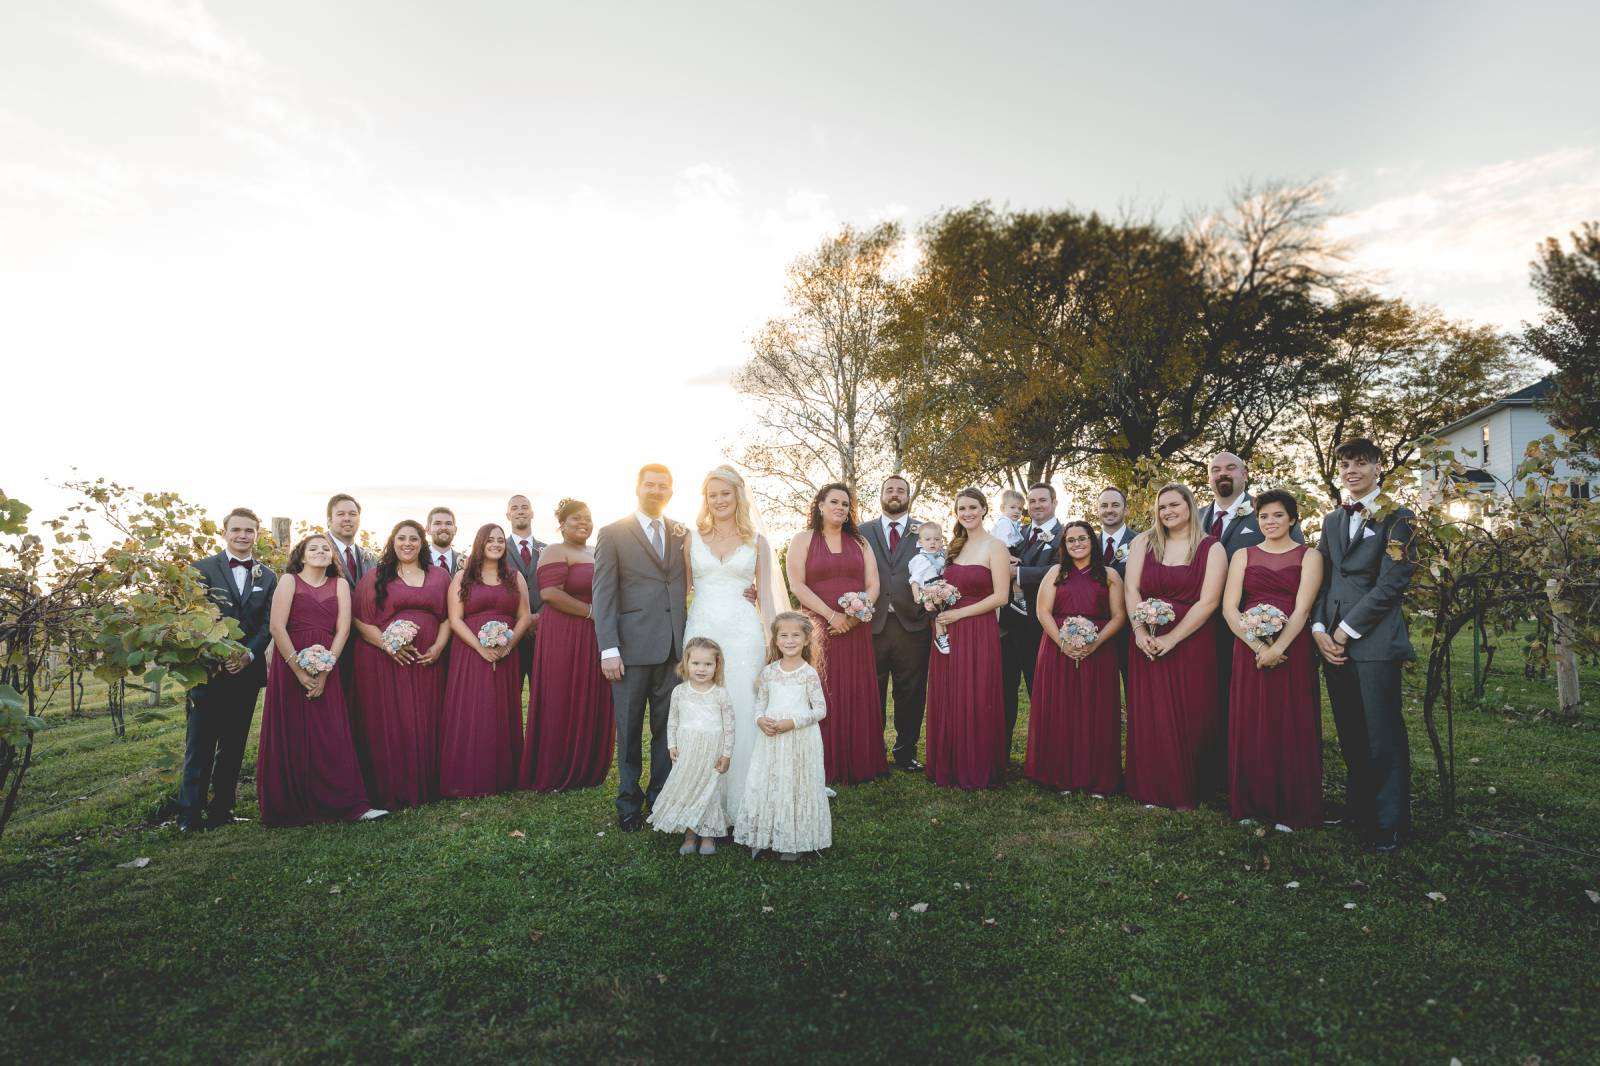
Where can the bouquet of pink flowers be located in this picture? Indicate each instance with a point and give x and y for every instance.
(400, 633)
(316, 660)
(1077, 633)
(494, 634)
(936, 596)
(1153, 613)
(1262, 622)
(856, 605)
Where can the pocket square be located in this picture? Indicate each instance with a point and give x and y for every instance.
(1368, 532)
(257, 588)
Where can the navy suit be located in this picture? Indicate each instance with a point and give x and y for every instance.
(220, 711)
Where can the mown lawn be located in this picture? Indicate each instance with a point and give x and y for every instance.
(1055, 928)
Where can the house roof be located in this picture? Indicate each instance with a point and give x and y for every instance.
(1524, 397)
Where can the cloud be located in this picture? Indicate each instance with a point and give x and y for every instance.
(712, 377)
(1463, 240)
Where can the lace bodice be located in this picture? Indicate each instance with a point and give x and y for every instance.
(798, 695)
(707, 712)
(736, 572)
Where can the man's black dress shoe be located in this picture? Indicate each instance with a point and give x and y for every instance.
(631, 823)
(1385, 842)
(910, 766)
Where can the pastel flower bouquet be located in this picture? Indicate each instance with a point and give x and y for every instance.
(856, 605)
(1262, 622)
(1077, 634)
(494, 634)
(936, 596)
(315, 660)
(1154, 613)
(399, 633)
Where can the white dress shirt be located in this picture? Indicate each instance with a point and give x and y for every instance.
(1355, 523)
(1227, 515)
(441, 558)
(241, 582)
(339, 547)
(904, 522)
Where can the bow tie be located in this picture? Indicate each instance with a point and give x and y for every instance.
(246, 563)
(1354, 508)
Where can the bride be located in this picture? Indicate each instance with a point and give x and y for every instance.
(728, 556)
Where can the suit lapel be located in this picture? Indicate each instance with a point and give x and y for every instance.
(644, 541)
(873, 531)
(224, 574)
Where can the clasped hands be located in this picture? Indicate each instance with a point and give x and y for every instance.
(1333, 650)
(773, 726)
(1154, 647)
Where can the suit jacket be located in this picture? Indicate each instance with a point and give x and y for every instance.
(452, 560)
(894, 577)
(252, 610)
(640, 600)
(536, 549)
(1032, 562)
(1364, 582)
(1244, 530)
(1125, 537)
(365, 561)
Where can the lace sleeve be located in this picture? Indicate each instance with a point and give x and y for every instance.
(763, 692)
(816, 704)
(725, 706)
(672, 717)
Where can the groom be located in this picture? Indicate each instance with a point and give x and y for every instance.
(640, 601)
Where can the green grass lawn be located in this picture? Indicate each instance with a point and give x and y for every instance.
(1015, 925)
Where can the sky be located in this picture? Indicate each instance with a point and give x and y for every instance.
(422, 253)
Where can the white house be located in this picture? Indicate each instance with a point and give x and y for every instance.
(1499, 435)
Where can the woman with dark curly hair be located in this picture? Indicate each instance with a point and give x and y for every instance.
(571, 723)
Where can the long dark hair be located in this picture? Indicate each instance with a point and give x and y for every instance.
(472, 573)
(1097, 557)
(958, 539)
(815, 518)
(389, 562)
(297, 556)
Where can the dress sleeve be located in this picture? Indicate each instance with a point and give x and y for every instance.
(672, 717)
(725, 706)
(816, 705)
(552, 575)
(763, 692)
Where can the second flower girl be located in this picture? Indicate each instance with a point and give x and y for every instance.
(700, 741)
(785, 805)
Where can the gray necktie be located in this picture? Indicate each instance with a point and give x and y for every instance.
(655, 539)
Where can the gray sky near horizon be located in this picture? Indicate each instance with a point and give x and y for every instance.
(360, 205)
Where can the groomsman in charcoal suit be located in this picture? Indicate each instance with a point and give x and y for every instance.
(1116, 540)
(1020, 633)
(900, 626)
(641, 590)
(344, 523)
(523, 549)
(441, 534)
(1368, 559)
(219, 711)
(1231, 518)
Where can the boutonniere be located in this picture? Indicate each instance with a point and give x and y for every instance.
(1243, 508)
(255, 572)
(1380, 509)
(1122, 553)
(677, 529)
(1045, 536)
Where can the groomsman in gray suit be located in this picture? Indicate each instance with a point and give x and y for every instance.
(641, 589)
(441, 526)
(1231, 518)
(1368, 559)
(1116, 541)
(900, 626)
(523, 549)
(344, 522)
(1020, 633)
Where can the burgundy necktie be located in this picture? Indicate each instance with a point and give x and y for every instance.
(527, 556)
(1033, 536)
(350, 563)
(1216, 526)
(1111, 550)
(894, 535)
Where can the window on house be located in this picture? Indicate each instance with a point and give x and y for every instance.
(1484, 457)
(1579, 490)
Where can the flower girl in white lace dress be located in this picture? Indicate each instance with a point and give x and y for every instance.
(700, 741)
(785, 806)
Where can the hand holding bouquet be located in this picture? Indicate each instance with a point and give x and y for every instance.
(1153, 614)
(1077, 634)
(1262, 622)
(856, 605)
(936, 596)
(494, 634)
(316, 660)
(399, 634)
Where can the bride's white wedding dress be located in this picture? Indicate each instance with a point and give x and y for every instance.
(721, 612)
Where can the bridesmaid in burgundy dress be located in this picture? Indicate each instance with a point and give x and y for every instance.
(1172, 679)
(571, 726)
(401, 692)
(1275, 707)
(1075, 720)
(966, 718)
(481, 731)
(306, 769)
(825, 562)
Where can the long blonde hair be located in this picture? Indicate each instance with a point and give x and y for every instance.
(1158, 532)
(695, 644)
(806, 626)
(743, 524)
(958, 539)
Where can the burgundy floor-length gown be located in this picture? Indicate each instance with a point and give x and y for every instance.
(400, 705)
(306, 768)
(481, 730)
(852, 732)
(571, 725)
(1075, 716)
(1172, 701)
(966, 718)
(1275, 723)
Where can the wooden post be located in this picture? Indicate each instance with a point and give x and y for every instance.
(155, 688)
(280, 532)
(1566, 660)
